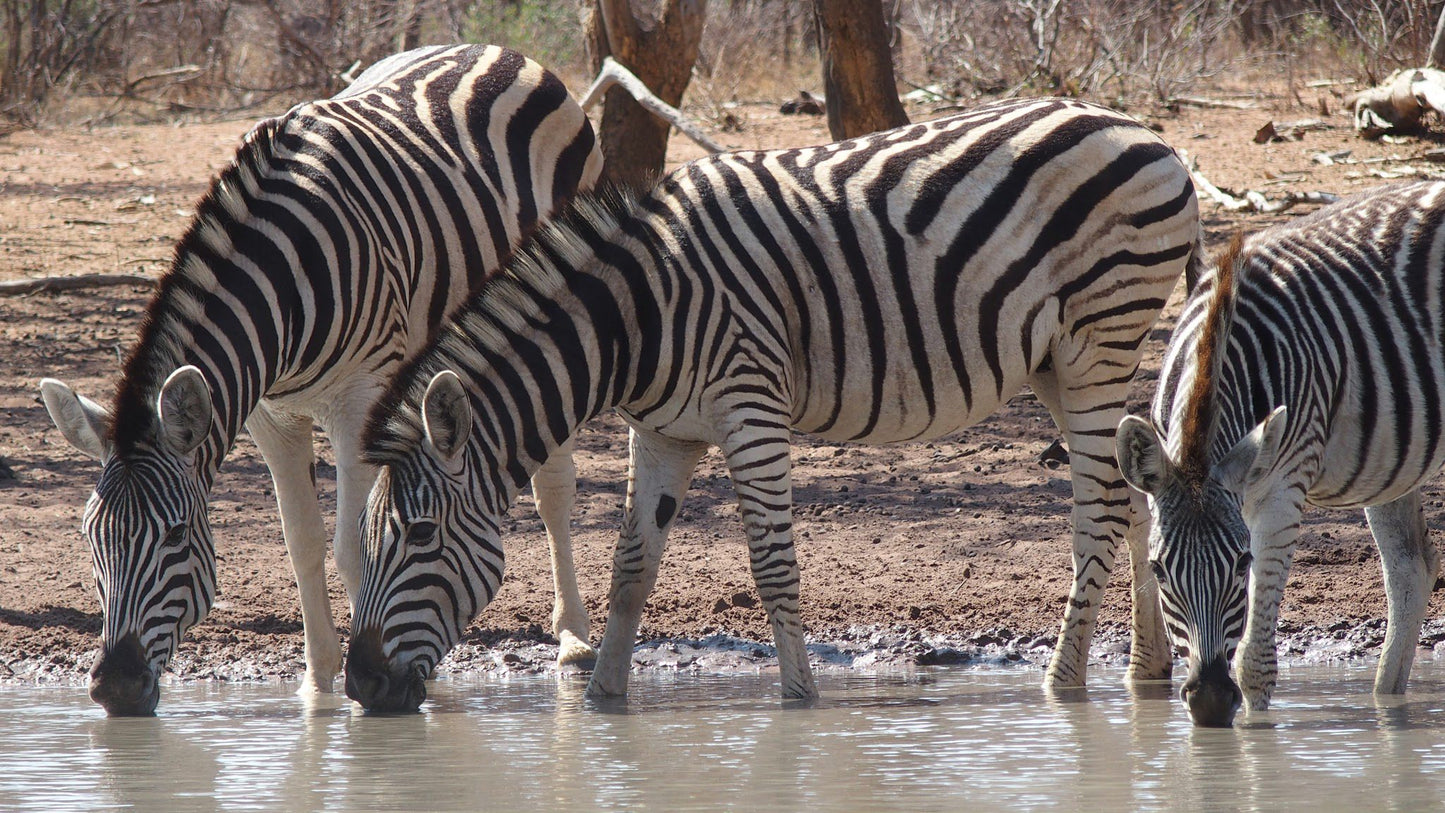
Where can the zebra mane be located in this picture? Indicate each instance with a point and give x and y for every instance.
(181, 290)
(1200, 421)
(511, 297)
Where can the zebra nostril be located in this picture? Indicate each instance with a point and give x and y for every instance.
(366, 688)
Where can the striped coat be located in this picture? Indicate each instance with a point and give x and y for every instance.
(1309, 368)
(321, 258)
(889, 288)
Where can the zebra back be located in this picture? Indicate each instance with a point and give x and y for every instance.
(345, 230)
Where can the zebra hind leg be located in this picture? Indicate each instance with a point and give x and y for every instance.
(1087, 414)
(555, 486)
(659, 471)
(1151, 656)
(1410, 562)
(285, 443)
(760, 465)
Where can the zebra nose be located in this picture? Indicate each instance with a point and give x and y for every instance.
(370, 682)
(122, 682)
(1211, 695)
(366, 688)
(366, 679)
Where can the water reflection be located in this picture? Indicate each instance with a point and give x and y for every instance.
(933, 740)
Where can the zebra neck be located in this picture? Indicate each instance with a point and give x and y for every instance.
(531, 388)
(190, 322)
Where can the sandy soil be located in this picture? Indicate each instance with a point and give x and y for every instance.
(937, 552)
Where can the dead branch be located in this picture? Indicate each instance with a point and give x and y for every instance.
(20, 287)
(613, 73)
(1252, 201)
(1197, 101)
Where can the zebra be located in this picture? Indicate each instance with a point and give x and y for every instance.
(889, 288)
(1307, 368)
(321, 258)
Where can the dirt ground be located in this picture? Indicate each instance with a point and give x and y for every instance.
(949, 551)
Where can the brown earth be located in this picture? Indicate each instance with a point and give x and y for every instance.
(933, 551)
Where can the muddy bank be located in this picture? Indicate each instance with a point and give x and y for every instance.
(948, 552)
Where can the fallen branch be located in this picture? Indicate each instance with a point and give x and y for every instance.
(29, 286)
(1196, 101)
(613, 73)
(1252, 201)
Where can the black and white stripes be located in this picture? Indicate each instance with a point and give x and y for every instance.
(893, 287)
(325, 255)
(1308, 368)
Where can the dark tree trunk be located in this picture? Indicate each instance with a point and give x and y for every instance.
(661, 53)
(857, 68)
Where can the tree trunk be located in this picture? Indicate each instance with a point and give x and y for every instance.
(858, 80)
(1437, 44)
(661, 53)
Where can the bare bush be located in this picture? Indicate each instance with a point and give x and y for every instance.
(105, 58)
(208, 55)
(1114, 48)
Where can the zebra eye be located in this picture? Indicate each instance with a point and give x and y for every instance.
(420, 533)
(175, 537)
(1158, 571)
(1242, 566)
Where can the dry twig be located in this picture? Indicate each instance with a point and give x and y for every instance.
(20, 287)
(613, 73)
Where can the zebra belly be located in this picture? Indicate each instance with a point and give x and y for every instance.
(902, 404)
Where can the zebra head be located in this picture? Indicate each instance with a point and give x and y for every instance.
(150, 541)
(1199, 552)
(431, 556)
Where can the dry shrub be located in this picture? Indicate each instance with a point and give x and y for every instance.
(160, 58)
(1128, 50)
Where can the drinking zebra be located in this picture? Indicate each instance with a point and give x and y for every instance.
(321, 258)
(889, 288)
(1308, 368)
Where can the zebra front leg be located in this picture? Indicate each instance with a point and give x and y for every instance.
(1273, 531)
(761, 466)
(354, 480)
(285, 443)
(555, 486)
(659, 471)
(1410, 562)
(1151, 657)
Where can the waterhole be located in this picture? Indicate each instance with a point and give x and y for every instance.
(930, 739)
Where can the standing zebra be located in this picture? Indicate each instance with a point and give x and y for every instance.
(325, 255)
(889, 288)
(1310, 367)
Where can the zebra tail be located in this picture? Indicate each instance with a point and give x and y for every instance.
(1198, 263)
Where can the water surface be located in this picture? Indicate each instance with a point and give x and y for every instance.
(932, 739)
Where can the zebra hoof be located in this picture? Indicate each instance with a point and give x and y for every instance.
(575, 655)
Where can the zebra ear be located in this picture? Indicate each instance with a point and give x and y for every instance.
(1253, 456)
(446, 414)
(184, 407)
(1141, 455)
(82, 421)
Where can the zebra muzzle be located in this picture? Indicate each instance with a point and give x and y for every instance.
(1211, 694)
(122, 681)
(370, 682)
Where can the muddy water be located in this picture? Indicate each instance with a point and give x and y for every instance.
(926, 740)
